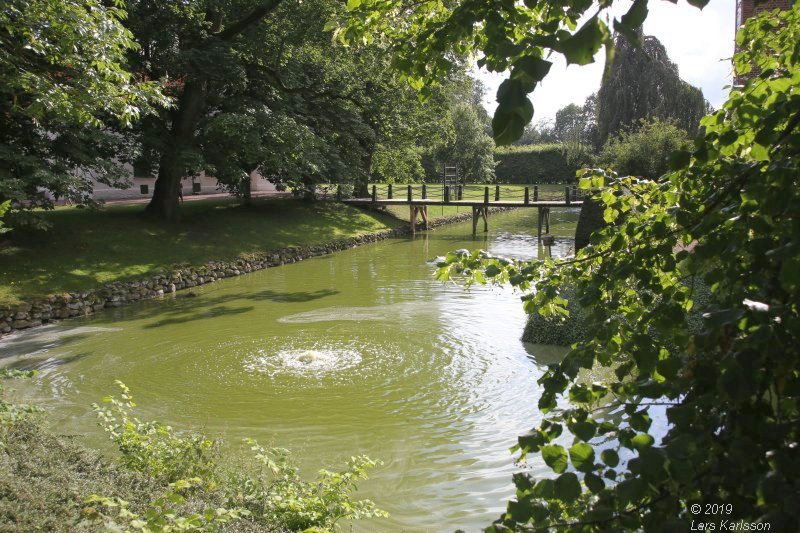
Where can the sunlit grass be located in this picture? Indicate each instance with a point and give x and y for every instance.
(86, 248)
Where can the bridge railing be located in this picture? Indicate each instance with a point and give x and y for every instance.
(475, 192)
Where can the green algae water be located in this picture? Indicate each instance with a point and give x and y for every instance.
(360, 352)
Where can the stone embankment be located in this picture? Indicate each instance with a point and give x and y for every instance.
(168, 281)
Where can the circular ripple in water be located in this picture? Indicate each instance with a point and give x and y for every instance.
(314, 362)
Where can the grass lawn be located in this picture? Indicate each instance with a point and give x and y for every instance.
(87, 248)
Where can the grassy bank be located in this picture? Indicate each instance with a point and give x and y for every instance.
(88, 248)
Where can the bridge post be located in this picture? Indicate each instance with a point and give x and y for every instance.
(486, 195)
(567, 195)
(390, 191)
(409, 193)
(374, 193)
(339, 192)
(544, 220)
(447, 194)
(496, 193)
(574, 192)
(424, 192)
(527, 196)
(535, 193)
(413, 211)
(460, 192)
(480, 212)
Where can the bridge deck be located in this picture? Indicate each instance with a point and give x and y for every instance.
(462, 203)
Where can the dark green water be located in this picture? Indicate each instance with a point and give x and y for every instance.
(361, 352)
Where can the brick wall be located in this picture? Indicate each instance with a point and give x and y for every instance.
(746, 9)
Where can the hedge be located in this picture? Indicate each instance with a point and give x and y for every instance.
(538, 163)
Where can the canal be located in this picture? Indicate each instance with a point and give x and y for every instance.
(360, 352)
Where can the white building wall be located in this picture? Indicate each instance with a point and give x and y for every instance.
(142, 187)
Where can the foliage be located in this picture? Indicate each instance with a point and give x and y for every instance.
(642, 149)
(557, 331)
(278, 496)
(513, 36)
(731, 391)
(62, 82)
(468, 146)
(164, 514)
(155, 449)
(11, 411)
(275, 496)
(542, 163)
(644, 84)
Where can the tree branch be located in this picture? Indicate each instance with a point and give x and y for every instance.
(248, 20)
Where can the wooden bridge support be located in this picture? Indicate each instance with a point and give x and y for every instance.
(480, 212)
(422, 212)
(544, 219)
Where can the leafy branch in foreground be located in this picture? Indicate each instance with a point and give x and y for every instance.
(725, 217)
(518, 37)
(198, 496)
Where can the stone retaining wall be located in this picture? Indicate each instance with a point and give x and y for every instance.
(81, 303)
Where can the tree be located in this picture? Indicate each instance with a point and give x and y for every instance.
(691, 300)
(643, 84)
(62, 83)
(469, 147)
(511, 36)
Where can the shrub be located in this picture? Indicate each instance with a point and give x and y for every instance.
(539, 163)
(642, 149)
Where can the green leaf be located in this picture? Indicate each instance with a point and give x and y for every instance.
(353, 4)
(610, 457)
(642, 441)
(582, 457)
(555, 457)
(584, 430)
(581, 47)
(594, 483)
(635, 15)
(567, 487)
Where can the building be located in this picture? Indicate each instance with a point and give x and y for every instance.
(142, 187)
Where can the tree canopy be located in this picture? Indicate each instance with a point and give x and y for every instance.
(691, 302)
(62, 83)
(644, 84)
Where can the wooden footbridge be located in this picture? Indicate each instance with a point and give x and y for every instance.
(481, 201)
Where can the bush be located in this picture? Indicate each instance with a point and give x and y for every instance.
(642, 149)
(557, 331)
(539, 163)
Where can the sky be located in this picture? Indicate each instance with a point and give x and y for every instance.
(699, 42)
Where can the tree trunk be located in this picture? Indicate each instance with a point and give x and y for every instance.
(165, 203)
(361, 189)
